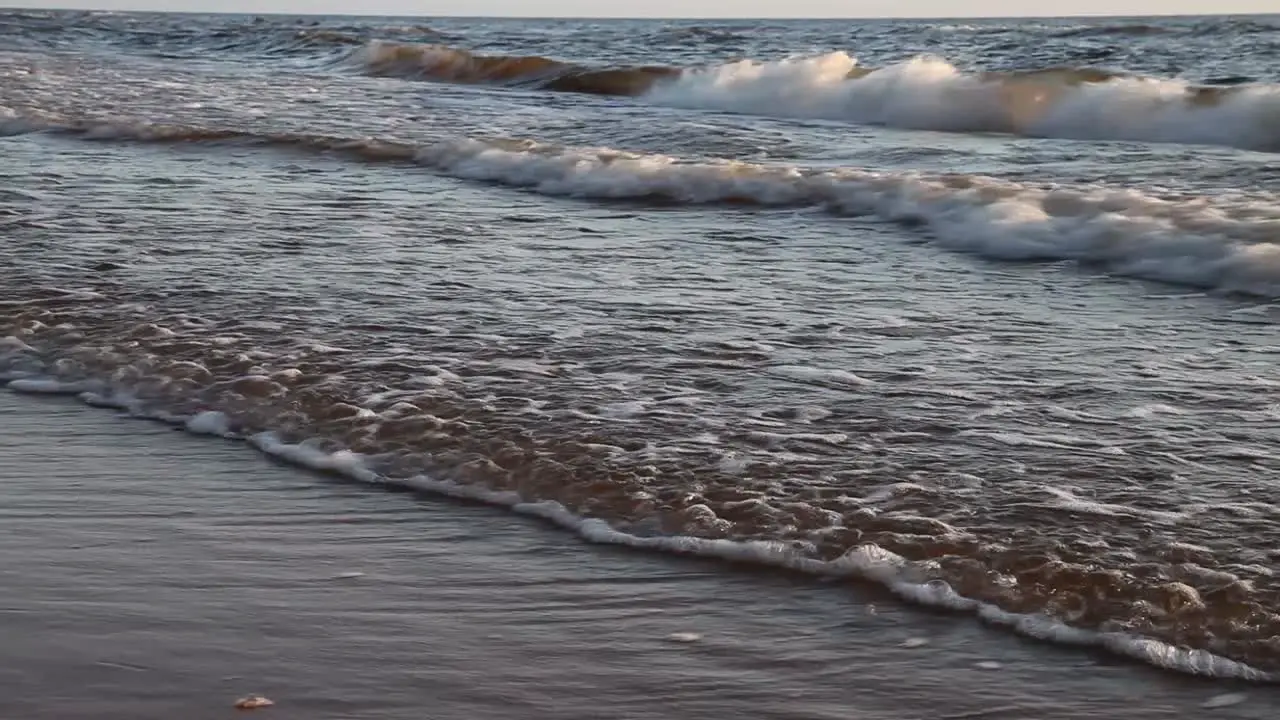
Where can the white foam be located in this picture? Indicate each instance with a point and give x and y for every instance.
(823, 376)
(928, 93)
(209, 422)
(1224, 700)
(49, 386)
(924, 93)
(1224, 246)
(868, 562)
(1147, 411)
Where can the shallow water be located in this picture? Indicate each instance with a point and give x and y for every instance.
(765, 311)
(150, 574)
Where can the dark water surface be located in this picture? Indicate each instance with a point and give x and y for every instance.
(979, 314)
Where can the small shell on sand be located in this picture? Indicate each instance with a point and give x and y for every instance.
(253, 702)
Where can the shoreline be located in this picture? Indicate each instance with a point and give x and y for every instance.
(331, 596)
(861, 566)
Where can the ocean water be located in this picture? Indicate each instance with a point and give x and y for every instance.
(981, 315)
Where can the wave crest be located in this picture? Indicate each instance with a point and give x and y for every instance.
(929, 93)
(924, 93)
(445, 64)
(1227, 245)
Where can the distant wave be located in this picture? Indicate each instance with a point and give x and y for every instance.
(928, 93)
(1226, 245)
(1120, 30)
(925, 93)
(445, 64)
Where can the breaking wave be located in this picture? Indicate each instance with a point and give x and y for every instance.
(924, 93)
(928, 93)
(1226, 244)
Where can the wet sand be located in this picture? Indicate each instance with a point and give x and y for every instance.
(148, 573)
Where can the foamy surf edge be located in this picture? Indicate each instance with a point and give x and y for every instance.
(867, 562)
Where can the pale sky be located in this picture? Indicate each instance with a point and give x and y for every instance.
(678, 8)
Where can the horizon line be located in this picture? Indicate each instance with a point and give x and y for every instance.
(1086, 15)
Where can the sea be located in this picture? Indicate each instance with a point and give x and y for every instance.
(520, 368)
